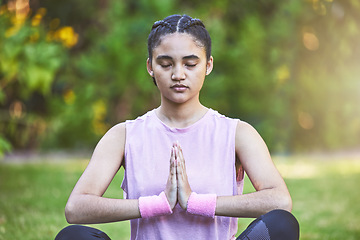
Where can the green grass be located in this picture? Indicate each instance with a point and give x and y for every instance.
(325, 197)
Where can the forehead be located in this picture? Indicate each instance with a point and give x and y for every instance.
(182, 44)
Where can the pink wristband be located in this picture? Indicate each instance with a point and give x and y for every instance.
(154, 206)
(202, 204)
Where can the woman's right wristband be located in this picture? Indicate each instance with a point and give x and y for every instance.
(154, 206)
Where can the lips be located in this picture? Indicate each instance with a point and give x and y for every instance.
(179, 87)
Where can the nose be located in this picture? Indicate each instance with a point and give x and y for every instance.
(178, 73)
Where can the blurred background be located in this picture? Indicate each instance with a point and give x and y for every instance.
(69, 70)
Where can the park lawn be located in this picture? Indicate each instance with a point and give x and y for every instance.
(325, 197)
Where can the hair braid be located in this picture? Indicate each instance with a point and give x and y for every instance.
(194, 22)
(161, 23)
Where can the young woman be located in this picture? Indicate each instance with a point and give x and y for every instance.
(184, 163)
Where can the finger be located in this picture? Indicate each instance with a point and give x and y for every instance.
(182, 164)
(178, 157)
(181, 154)
(178, 154)
(172, 161)
(171, 157)
(180, 170)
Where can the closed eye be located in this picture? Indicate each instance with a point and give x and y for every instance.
(165, 65)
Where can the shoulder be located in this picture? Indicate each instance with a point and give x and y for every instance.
(116, 134)
(222, 118)
(110, 149)
(244, 128)
(216, 114)
(119, 130)
(247, 137)
(148, 116)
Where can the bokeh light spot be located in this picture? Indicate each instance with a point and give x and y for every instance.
(305, 120)
(311, 42)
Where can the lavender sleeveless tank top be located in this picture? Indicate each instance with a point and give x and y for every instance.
(209, 151)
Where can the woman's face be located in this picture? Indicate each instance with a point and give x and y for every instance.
(179, 66)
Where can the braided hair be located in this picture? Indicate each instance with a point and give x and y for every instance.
(181, 24)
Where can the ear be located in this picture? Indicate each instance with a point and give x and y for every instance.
(149, 67)
(209, 65)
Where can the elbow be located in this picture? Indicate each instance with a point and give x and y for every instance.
(285, 203)
(71, 213)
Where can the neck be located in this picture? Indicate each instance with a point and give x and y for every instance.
(180, 115)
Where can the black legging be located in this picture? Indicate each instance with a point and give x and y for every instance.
(275, 225)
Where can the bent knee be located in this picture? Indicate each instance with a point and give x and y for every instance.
(281, 224)
(79, 232)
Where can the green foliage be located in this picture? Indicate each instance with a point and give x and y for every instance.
(290, 68)
(5, 146)
(287, 68)
(109, 81)
(29, 63)
(27, 58)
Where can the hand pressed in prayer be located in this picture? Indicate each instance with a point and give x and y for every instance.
(177, 187)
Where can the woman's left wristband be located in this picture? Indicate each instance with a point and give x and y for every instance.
(202, 204)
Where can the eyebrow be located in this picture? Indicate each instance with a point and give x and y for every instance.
(167, 57)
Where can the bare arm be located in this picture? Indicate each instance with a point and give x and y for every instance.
(86, 204)
(271, 191)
